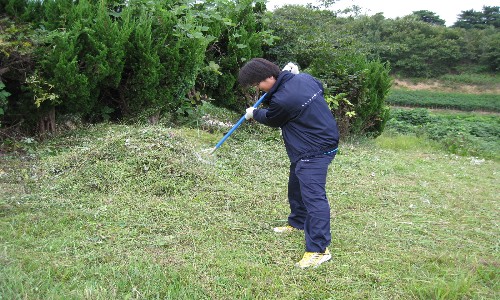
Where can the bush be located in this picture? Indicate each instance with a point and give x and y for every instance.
(240, 31)
(414, 117)
(86, 60)
(104, 59)
(365, 85)
(355, 87)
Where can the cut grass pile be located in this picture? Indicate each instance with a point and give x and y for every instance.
(117, 212)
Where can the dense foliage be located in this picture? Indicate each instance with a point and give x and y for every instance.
(242, 34)
(355, 86)
(339, 50)
(16, 60)
(462, 134)
(419, 49)
(102, 59)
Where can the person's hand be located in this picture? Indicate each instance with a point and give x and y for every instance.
(293, 68)
(249, 113)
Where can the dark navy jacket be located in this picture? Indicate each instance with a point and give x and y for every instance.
(297, 106)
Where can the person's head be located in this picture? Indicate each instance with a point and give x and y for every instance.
(259, 72)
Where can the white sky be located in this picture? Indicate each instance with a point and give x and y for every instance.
(445, 9)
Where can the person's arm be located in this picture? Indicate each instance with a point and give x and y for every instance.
(274, 116)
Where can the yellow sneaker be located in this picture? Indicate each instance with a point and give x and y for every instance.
(313, 259)
(285, 229)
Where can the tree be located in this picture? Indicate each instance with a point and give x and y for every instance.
(490, 16)
(428, 17)
(301, 31)
(240, 33)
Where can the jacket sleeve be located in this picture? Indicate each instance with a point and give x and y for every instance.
(273, 116)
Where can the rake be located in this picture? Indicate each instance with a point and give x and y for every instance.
(242, 119)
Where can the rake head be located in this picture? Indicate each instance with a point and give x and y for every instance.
(206, 155)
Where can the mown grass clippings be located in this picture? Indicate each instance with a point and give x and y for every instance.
(129, 212)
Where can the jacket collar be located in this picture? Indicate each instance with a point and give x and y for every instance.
(283, 77)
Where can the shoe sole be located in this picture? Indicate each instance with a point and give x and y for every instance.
(277, 230)
(324, 259)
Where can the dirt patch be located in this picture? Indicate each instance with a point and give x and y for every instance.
(438, 86)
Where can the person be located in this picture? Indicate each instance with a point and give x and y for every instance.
(295, 103)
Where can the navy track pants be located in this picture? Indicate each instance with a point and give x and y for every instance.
(309, 206)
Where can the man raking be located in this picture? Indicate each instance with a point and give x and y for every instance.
(297, 106)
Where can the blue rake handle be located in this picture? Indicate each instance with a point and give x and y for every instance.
(242, 119)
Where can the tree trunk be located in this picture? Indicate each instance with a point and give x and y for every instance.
(47, 122)
(154, 119)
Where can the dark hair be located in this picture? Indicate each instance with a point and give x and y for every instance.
(257, 70)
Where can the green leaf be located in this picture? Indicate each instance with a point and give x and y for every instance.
(4, 94)
(115, 14)
(197, 35)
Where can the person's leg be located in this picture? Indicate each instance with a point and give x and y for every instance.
(311, 174)
(298, 210)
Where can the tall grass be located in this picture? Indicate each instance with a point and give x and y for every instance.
(129, 212)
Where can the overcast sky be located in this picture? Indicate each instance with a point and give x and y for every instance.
(445, 9)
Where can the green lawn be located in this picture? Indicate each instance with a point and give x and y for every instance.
(129, 212)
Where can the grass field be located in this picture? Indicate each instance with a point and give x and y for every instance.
(129, 212)
(463, 133)
(446, 100)
(458, 113)
(466, 92)
(466, 83)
